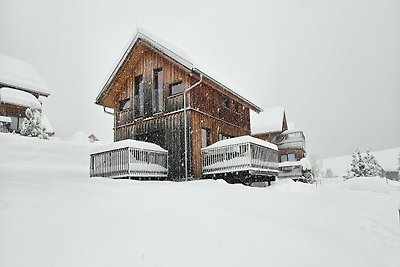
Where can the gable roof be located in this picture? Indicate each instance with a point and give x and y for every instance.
(269, 121)
(173, 53)
(19, 74)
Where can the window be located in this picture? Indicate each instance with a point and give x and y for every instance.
(14, 123)
(222, 136)
(225, 101)
(176, 88)
(288, 157)
(158, 96)
(205, 137)
(125, 104)
(139, 96)
(237, 107)
(291, 157)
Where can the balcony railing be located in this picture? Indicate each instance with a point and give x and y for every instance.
(291, 139)
(229, 156)
(124, 117)
(129, 159)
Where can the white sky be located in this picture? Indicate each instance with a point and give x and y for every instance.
(333, 65)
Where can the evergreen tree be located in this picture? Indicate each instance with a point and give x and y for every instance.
(364, 166)
(32, 124)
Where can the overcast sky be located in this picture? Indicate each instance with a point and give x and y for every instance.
(333, 65)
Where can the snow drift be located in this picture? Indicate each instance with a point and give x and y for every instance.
(53, 214)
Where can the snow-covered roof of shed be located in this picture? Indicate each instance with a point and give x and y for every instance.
(270, 120)
(242, 140)
(19, 74)
(5, 119)
(19, 98)
(180, 57)
(127, 143)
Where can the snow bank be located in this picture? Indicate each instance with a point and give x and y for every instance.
(15, 72)
(53, 214)
(372, 184)
(19, 98)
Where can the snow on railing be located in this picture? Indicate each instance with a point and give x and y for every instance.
(244, 155)
(129, 162)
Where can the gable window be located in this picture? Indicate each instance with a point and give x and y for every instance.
(158, 96)
(176, 88)
(225, 101)
(139, 96)
(205, 137)
(125, 104)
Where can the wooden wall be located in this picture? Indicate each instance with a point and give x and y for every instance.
(216, 126)
(167, 128)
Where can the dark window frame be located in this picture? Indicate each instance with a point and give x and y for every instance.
(175, 84)
(207, 141)
(139, 95)
(225, 101)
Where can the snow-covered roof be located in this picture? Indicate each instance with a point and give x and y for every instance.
(292, 131)
(46, 124)
(242, 140)
(19, 74)
(128, 143)
(180, 57)
(270, 120)
(5, 119)
(18, 98)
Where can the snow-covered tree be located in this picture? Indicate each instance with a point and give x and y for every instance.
(32, 124)
(329, 173)
(364, 166)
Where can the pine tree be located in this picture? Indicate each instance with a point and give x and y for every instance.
(364, 166)
(32, 124)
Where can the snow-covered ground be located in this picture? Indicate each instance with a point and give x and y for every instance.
(53, 214)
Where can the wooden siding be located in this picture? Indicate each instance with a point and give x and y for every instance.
(166, 131)
(216, 126)
(166, 128)
(11, 110)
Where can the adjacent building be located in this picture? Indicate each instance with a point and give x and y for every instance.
(21, 87)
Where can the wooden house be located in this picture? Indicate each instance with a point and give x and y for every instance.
(20, 87)
(157, 95)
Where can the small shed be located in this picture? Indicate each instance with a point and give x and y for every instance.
(130, 159)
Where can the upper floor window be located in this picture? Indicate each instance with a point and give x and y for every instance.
(125, 104)
(158, 96)
(176, 88)
(225, 101)
(237, 107)
(139, 96)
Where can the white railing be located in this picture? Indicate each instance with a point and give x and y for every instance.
(129, 162)
(239, 157)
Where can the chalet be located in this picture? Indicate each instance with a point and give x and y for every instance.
(20, 87)
(158, 95)
(272, 126)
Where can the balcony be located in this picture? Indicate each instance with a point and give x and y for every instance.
(291, 139)
(124, 117)
(240, 154)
